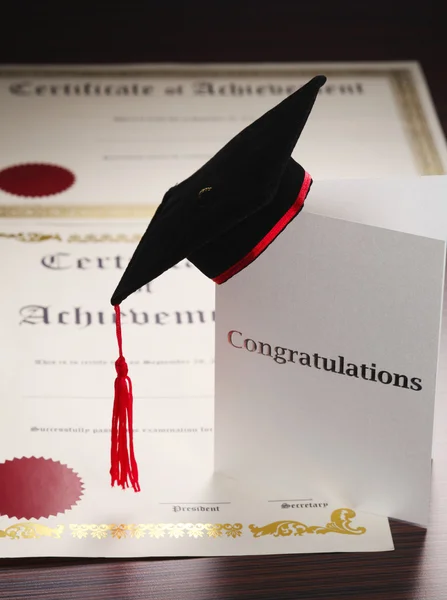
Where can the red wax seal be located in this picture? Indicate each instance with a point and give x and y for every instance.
(36, 488)
(35, 180)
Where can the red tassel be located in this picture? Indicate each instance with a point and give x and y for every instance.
(123, 470)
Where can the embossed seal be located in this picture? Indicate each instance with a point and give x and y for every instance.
(36, 488)
(34, 180)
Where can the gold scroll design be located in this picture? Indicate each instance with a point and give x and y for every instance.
(74, 238)
(341, 523)
(28, 530)
(157, 530)
(341, 520)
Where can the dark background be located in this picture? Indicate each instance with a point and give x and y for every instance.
(248, 31)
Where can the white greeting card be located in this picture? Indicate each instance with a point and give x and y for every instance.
(327, 349)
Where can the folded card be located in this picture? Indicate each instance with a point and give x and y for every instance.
(327, 349)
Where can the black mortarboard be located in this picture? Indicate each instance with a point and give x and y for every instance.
(225, 214)
(221, 218)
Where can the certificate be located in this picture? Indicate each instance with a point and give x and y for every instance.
(112, 140)
(58, 351)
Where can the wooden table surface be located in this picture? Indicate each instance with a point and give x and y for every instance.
(246, 32)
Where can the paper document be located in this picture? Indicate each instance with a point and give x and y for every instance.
(58, 351)
(114, 139)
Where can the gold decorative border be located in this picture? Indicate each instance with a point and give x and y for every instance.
(31, 236)
(84, 211)
(34, 237)
(341, 520)
(402, 83)
(415, 124)
(157, 530)
(28, 530)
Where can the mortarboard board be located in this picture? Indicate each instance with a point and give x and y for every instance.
(221, 219)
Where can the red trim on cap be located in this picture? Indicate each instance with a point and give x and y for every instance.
(270, 236)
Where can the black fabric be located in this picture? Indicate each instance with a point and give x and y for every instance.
(220, 254)
(244, 177)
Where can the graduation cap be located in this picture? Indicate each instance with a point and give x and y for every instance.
(221, 219)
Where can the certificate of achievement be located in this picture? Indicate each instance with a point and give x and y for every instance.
(109, 141)
(57, 353)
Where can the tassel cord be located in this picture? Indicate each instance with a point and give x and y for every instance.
(123, 468)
